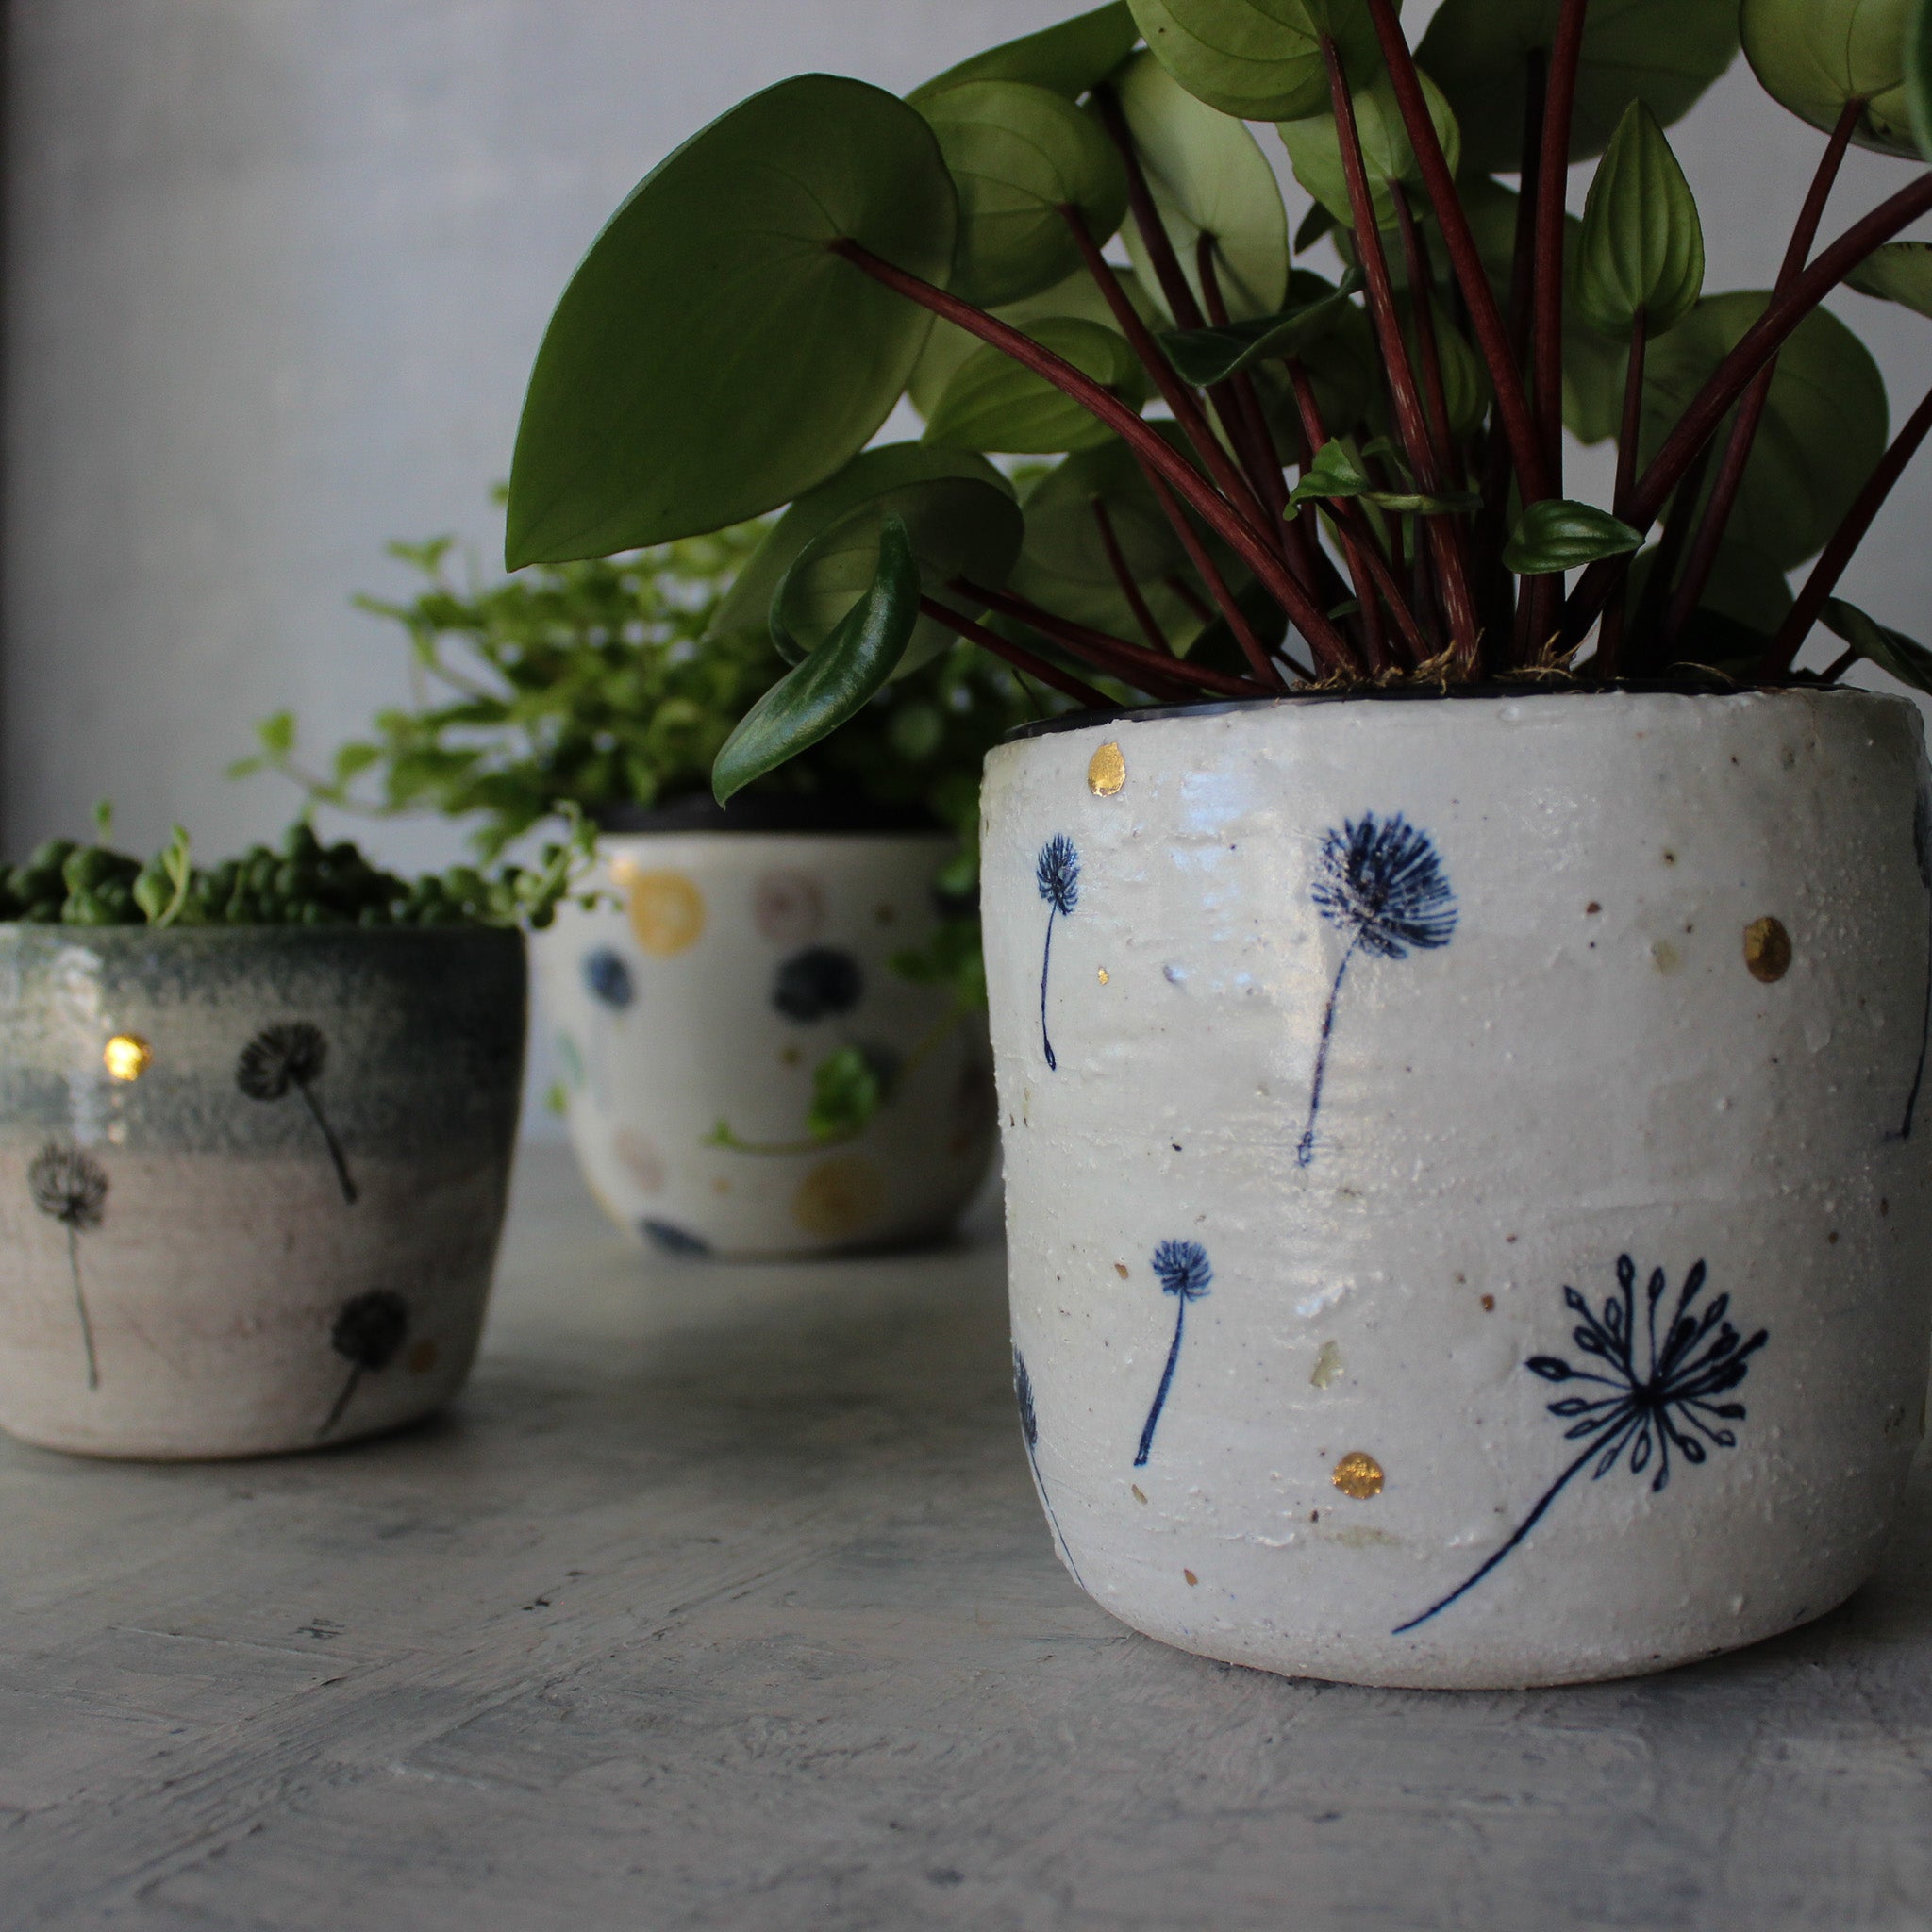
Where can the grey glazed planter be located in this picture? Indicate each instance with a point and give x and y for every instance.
(251, 1180)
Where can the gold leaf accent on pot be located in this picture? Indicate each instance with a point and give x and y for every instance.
(1767, 950)
(126, 1057)
(1107, 771)
(1359, 1475)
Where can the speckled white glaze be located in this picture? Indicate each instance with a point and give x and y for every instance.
(1587, 1070)
(665, 1009)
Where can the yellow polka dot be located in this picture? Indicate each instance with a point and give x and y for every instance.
(1107, 771)
(667, 911)
(838, 1197)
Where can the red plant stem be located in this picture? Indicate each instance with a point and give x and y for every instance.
(1778, 661)
(1728, 381)
(1175, 290)
(1241, 493)
(1189, 596)
(1553, 171)
(1117, 562)
(1017, 656)
(1609, 640)
(1486, 318)
(1115, 655)
(1410, 426)
(1422, 298)
(1365, 564)
(1839, 666)
(1146, 442)
(1670, 549)
(1730, 476)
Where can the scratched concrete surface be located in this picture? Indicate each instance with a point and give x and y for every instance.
(722, 1600)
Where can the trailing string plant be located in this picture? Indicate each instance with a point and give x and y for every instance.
(1267, 479)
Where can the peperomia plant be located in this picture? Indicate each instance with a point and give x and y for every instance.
(1269, 478)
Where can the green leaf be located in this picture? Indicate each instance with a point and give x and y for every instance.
(1069, 58)
(1746, 597)
(1205, 355)
(1256, 59)
(1557, 534)
(1895, 654)
(1063, 565)
(1018, 155)
(1663, 53)
(1900, 272)
(836, 682)
(644, 420)
(1824, 428)
(1815, 56)
(848, 1088)
(1919, 74)
(1315, 151)
(1336, 472)
(876, 476)
(1642, 248)
(1208, 176)
(1079, 296)
(957, 527)
(993, 402)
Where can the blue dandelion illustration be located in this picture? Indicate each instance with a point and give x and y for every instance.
(1382, 884)
(1057, 875)
(1029, 1434)
(1661, 1396)
(1183, 1270)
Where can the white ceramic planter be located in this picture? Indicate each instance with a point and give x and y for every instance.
(689, 1017)
(1581, 1328)
(251, 1179)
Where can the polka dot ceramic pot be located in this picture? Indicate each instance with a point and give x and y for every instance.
(709, 1017)
(251, 1180)
(1467, 1168)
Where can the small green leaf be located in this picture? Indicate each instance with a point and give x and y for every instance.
(1315, 150)
(993, 402)
(1816, 56)
(1333, 473)
(1895, 654)
(1205, 355)
(848, 1088)
(1018, 155)
(1900, 272)
(1556, 535)
(836, 681)
(1663, 53)
(711, 357)
(1069, 58)
(1256, 59)
(1642, 248)
(1208, 176)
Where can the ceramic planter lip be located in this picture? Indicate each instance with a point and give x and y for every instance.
(698, 811)
(1473, 693)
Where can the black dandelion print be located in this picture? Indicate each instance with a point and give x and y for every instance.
(70, 1186)
(292, 1055)
(1029, 1434)
(1921, 852)
(1057, 875)
(1383, 885)
(368, 1333)
(1183, 1272)
(1662, 1394)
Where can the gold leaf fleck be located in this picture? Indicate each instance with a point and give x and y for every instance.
(1107, 771)
(1767, 950)
(1358, 1475)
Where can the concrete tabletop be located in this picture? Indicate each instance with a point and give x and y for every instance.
(722, 1599)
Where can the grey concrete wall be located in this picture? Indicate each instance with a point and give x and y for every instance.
(277, 272)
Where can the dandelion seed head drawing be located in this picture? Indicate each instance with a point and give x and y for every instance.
(69, 1185)
(1182, 1268)
(288, 1055)
(1058, 873)
(1384, 884)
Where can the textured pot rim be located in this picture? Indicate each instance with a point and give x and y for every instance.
(698, 811)
(1139, 714)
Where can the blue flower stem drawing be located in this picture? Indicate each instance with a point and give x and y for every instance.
(1029, 1434)
(1183, 1272)
(1383, 885)
(1057, 873)
(1905, 1132)
(1659, 1399)
(1304, 1152)
(1921, 856)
